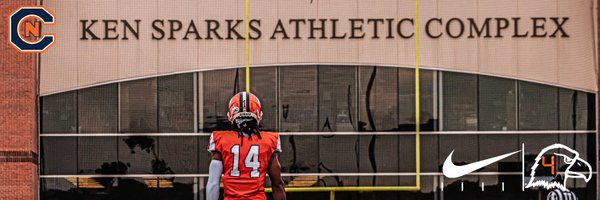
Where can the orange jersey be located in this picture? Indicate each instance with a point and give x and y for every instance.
(245, 162)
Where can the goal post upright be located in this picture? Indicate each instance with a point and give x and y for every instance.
(332, 190)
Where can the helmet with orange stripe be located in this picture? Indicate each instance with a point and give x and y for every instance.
(245, 113)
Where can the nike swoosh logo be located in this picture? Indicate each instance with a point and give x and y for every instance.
(452, 171)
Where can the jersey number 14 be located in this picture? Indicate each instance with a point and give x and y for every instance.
(251, 161)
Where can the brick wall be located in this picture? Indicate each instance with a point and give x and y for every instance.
(18, 138)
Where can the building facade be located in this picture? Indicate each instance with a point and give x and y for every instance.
(131, 90)
(135, 126)
(18, 114)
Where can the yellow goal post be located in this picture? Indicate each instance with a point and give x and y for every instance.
(332, 190)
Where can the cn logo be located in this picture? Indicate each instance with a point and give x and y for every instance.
(29, 20)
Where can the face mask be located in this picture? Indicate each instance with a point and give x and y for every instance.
(246, 125)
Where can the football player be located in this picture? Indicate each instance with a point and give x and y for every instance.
(244, 155)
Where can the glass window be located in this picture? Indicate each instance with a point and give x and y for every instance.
(298, 107)
(489, 147)
(98, 155)
(300, 154)
(98, 109)
(429, 154)
(337, 112)
(338, 154)
(538, 106)
(406, 99)
(575, 110)
(459, 110)
(298, 98)
(459, 101)
(407, 157)
(139, 154)
(218, 87)
(59, 113)
(176, 103)
(378, 98)
(58, 188)
(577, 113)
(337, 98)
(591, 112)
(378, 101)
(569, 102)
(379, 154)
(263, 84)
(538, 110)
(138, 104)
(59, 155)
(178, 155)
(585, 144)
(497, 104)
(569, 117)
(204, 157)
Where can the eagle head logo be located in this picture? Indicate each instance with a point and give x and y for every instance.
(572, 161)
